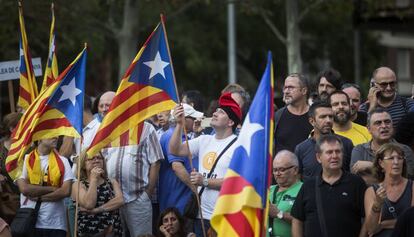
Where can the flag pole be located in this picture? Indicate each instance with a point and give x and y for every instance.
(190, 157)
(11, 96)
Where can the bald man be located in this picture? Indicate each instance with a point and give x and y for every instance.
(383, 94)
(104, 103)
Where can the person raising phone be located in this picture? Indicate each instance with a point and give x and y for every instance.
(383, 94)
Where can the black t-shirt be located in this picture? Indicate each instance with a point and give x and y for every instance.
(291, 130)
(404, 226)
(343, 206)
(362, 118)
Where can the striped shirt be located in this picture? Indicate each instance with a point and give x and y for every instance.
(130, 164)
(397, 109)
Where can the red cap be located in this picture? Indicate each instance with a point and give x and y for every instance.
(228, 104)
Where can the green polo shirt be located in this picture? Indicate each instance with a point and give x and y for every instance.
(284, 201)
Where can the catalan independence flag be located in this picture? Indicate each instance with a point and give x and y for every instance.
(58, 110)
(241, 209)
(147, 88)
(28, 87)
(51, 71)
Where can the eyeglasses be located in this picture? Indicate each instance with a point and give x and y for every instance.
(392, 158)
(290, 88)
(386, 84)
(282, 169)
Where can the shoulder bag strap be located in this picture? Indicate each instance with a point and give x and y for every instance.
(273, 200)
(319, 209)
(216, 161)
(390, 207)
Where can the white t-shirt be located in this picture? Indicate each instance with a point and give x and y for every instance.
(52, 215)
(208, 148)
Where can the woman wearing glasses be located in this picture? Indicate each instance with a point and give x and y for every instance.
(283, 194)
(385, 201)
(99, 199)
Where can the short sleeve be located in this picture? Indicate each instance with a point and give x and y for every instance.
(194, 145)
(68, 170)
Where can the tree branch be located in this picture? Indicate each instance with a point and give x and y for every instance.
(272, 26)
(308, 9)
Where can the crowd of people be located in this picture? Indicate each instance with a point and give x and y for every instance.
(343, 166)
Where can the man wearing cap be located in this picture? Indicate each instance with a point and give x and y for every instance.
(209, 148)
(174, 180)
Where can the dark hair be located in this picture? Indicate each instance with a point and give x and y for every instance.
(340, 93)
(377, 110)
(330, 138)
(95, 104)
(87, 103)
(316, 105)
(180, 218)
(379, 155)
(196, 98)
(9, 121)
(332, 76)
(303, 81)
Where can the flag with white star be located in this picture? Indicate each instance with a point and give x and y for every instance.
(57, 111)
(147, 88)
(241, 207)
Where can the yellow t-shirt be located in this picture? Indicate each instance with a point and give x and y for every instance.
(357, 134)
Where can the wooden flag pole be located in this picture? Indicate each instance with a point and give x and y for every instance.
(11, 96)
(190, 157)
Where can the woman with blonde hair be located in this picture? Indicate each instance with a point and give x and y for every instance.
(99, 199)
(385, 201)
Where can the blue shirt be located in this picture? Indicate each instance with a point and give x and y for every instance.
(172, 192)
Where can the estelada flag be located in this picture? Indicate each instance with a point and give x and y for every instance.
(27, 86)
(147, 88)
(241, 209)
(58, 110)
(51, 71)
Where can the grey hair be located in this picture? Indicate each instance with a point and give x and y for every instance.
(293, 158)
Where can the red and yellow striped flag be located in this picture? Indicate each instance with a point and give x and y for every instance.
(51, 70)
(147, 88)
(28, 87)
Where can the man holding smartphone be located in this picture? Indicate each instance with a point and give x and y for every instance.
(383, 94)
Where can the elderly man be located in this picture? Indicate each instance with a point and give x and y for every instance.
(343, 125)
(292, 121)
(354, 93)
(381, 129)
(383, 94)
(332, 203)
(104, 103)
(283, 195)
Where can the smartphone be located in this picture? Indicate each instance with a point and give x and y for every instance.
(205, 123)
(372, 82)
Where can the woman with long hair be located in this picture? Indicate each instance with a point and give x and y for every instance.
(385, 201)
(99, 199)
(171, 224)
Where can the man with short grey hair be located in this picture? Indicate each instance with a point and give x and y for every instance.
(283, 194)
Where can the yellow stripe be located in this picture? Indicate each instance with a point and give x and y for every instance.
(223, 227)
(250, 214)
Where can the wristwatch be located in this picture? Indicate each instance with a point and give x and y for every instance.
(205, 182)
(280, 214)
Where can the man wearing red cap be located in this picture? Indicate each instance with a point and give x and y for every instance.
(212, 164)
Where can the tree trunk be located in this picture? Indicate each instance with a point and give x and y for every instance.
(128, 36)
(293, 36)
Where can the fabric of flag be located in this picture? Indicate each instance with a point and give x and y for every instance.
(58, 110)
(28, 87)
(147, 88)
(51, 70)
(241, 209)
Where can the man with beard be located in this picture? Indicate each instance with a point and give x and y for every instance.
(291, 122)
(381, 129)
(343, 125)
(383, 95)
(328, 82)
(354, 93)
(321, 118)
